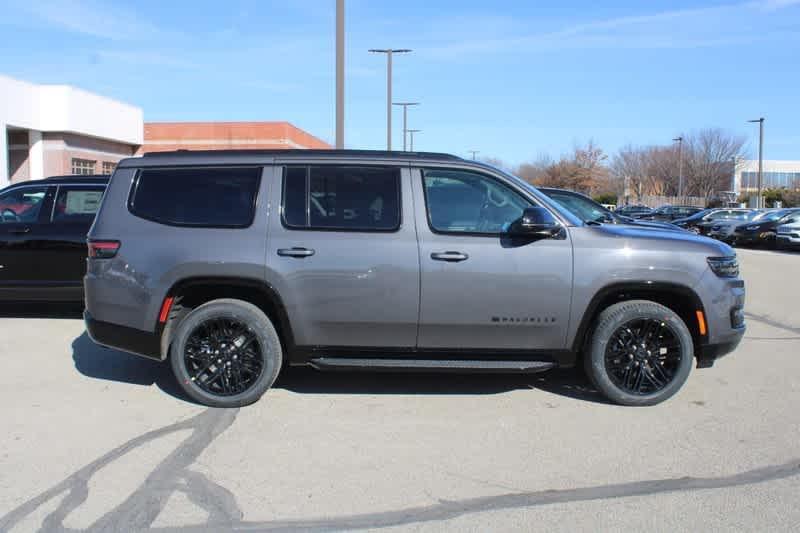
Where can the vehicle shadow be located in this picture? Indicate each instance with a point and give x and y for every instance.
(99, 362)
(65, 310)
(571, 383)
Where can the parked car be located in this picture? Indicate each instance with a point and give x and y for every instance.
(43, 227)
(723, 229)
(590, 211)
(668, 213)
(764, 230)
(702, 221)
(232, 264)
(633, 211)
(788, 235)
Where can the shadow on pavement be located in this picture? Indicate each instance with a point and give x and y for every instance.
(98, 362)
(41, 310)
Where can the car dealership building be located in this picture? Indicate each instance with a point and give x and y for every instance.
(777, 174)
(51, 130)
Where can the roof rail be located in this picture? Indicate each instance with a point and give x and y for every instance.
(378, 154)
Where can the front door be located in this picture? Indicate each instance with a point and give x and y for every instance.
(342, 251)
(481, 289)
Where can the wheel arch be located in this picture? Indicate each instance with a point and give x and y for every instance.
(192, 292)
(679, 298)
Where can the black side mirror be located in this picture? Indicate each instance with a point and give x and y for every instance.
(536, 222)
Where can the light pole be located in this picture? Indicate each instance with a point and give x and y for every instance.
(405, 119)
(411, 134)
(389, 52)
(679, 140)
(474, 153)
(760, 158)
(339, 74)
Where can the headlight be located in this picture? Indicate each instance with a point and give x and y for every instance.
(724, 267)
(752, 228)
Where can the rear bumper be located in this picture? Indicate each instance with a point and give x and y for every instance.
(135, 341)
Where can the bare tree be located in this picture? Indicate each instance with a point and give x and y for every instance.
(709, 161)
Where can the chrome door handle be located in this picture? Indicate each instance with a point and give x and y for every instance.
(295, 252)
(451, 257)
(20, 231)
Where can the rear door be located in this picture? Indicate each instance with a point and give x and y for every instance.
(64, 236)
(343, 255)
(23, 213)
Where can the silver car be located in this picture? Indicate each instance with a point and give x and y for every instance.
(232, 264)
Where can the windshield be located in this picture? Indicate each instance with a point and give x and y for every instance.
(769, 216)
(540, 196)
(584, 208)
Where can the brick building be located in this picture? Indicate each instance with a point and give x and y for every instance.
(165, 136)
(48, 130)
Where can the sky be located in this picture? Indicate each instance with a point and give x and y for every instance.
(514, 79)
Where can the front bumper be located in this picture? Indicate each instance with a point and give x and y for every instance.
(707, 354)
(131, 340)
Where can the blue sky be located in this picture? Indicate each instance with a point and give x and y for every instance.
(513, 79)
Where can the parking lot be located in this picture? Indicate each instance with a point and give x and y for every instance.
(95, 439)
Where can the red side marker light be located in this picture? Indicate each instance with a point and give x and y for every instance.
(165, 309)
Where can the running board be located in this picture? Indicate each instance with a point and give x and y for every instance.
(429, 365)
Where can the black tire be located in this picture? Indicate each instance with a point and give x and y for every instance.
(244, 321)
(618, 324)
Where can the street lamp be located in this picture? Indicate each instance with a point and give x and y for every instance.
(389, 52)
(411, 134)
(679, 140)
(339, 74)
(760, 158)
(474, 153)
(405, 119)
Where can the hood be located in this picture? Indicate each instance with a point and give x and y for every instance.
(666, 226)
(670, 238)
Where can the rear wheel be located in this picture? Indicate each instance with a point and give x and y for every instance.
(641, 353)
(226, 353)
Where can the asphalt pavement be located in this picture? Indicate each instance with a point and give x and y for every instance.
(94, 439)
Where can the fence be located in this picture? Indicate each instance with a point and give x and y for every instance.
(658, 201)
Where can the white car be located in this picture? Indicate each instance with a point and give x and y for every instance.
(788, 235)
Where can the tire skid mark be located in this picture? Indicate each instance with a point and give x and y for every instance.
(764, 319)
(139, 510)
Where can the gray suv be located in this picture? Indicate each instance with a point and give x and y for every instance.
(232, 264)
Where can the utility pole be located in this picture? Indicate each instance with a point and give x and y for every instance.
(679, 140)
(389, 53)
(339, 74)
(760, 121)
(474, 153)
(411, 133)
(405, 119)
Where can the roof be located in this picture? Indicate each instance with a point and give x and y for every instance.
(261, 157)
(86, 178)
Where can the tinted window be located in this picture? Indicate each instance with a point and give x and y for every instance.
(22, 205)
(211, 197)
(77, 204)
(583, 208)
(349, 198)
(465, 202)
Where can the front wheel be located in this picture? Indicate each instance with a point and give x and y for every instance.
(226, 353)
(641, 353)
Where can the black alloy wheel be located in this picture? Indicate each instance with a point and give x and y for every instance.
(223, 356)
(643, 356)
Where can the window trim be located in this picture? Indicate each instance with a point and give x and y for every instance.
(309, 227)
(471, 233)
(135, 188)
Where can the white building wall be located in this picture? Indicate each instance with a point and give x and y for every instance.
(61, 108)
(769, 165)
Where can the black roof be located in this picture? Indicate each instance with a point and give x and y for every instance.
(85, 178)
(377, 154)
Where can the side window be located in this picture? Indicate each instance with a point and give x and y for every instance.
(22, 205)
(342, 197)
(222, 197)
(77, 204)
(466, 202)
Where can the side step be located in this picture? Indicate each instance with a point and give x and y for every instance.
(429, 365)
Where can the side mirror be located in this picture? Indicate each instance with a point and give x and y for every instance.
(536, 222)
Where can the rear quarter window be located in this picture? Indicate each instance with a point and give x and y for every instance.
(197, 197)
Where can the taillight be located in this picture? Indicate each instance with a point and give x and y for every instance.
(102, 249)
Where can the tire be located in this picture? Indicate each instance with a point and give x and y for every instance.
(243, 339)
(613, 359)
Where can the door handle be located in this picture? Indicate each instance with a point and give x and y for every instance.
(19, 231)
(295, 252)
(451, 257)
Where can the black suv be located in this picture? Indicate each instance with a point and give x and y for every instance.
(43, 227)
